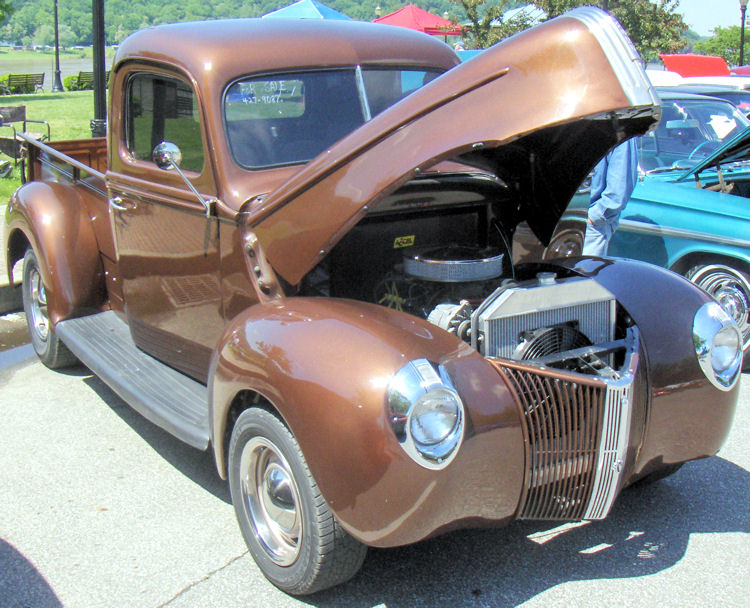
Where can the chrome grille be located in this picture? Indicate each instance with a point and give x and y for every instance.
(576, 429)
(612, 449)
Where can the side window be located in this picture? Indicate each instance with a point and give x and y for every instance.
(163, 109)
(386, 86)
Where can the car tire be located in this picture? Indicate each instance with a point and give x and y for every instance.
(566, 244)
(730, 288)
(290, 531)
(48, 347)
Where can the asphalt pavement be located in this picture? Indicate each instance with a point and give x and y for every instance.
(98, 507)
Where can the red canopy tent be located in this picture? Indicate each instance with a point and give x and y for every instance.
(689, 64)
(416, 18)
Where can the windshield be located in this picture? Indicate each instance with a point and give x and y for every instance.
(689, 131)
(290, 118)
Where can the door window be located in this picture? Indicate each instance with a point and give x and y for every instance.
(161, 109)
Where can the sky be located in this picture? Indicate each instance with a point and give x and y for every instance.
(702, 16)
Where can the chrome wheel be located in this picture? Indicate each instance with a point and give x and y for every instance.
(271, 496)
(39, 321)
(290, 531)
(731, 289)
(564, 245)
(50, 349)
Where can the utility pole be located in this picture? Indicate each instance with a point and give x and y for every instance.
(99, 122)
(743, 9)
(57, 84)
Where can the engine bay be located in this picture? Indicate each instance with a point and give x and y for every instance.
(439, 249)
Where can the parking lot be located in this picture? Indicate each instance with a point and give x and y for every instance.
(101, 508)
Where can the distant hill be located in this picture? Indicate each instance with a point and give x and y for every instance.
(32, 21)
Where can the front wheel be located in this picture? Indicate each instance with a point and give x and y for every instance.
(290, 531)
(48, 347)
(566, 244)
(731, 289)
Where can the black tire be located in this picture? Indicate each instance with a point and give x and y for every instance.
(48, 347)
(730, 287)
(290, 531)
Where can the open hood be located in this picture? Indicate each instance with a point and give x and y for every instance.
(736, 149)
(538, 110)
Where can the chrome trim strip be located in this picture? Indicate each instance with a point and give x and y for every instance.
(615, 434)
(680, 233)
(658, 230)
(612, 448)
(625, 61)
(177, 205)
(365, 103)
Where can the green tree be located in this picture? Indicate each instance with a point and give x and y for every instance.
(487, 24)
(554, 8)
(6, 10)
(725, 43)
(66, 36)
(653, 25)
(44, 35)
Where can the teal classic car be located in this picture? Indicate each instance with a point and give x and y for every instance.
(689, 211)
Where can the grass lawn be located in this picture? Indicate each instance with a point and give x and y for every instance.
(69, 115)
(11, 58)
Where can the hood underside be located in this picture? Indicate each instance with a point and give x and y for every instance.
(538, 111)
(735, 150)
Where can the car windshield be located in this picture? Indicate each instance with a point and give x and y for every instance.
(690, 129)
(290, 118)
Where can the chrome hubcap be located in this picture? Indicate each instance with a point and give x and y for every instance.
(271, 498)
(38, 309)
(731, 291)
(564, 246)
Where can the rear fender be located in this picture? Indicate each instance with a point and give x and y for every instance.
(51, 218)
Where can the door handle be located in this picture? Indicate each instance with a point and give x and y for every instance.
(117, 203)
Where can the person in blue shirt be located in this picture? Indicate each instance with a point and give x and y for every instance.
(612, 184)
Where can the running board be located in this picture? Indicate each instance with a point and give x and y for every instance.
(166, 397)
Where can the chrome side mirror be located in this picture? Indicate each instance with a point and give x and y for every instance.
(167, 156)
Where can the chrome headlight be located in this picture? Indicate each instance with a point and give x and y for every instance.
(426, 413)
(718, 345)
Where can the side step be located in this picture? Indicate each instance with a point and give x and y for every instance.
(164, 396)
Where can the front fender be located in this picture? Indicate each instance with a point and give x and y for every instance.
(325, 366)
(54, 221)
(688, 417)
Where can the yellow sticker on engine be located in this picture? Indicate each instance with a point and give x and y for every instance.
(403, 241)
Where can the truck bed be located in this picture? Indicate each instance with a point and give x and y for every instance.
(88, 156)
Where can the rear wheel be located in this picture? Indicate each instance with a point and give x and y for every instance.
(731, 289)
(48, 347)
(290, 531)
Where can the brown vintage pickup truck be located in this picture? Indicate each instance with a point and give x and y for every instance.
(294, 249)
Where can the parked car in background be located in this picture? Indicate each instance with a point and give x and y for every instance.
(689, 211)
(734, 95)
